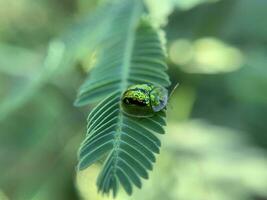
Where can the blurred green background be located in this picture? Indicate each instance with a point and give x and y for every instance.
(216, 141)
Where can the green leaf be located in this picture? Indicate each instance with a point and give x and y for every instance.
(92, 31)
(128, 144)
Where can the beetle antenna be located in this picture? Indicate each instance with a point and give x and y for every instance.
(173, 89)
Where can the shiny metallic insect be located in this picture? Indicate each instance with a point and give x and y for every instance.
(144, 100)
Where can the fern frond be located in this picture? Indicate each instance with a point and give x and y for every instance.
(138, 49)
(95, 29)
(127, 144)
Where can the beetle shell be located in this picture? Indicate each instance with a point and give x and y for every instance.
(144, 100)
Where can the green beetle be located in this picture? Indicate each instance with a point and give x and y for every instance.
(144, 100)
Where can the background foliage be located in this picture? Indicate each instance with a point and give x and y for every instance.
(215, 146)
